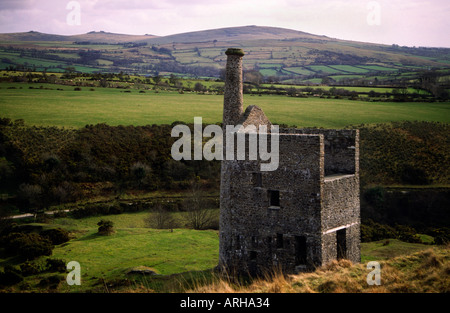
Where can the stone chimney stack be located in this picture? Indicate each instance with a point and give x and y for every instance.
(233, 94)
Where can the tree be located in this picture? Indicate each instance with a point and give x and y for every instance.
(291, 91)
(173, 80)
(326, 80)
(157, 79)
(198, 215)
(69, 72)
(199, 87)
(161, 219)
(254, 77)
(139, 172)
(30, 195)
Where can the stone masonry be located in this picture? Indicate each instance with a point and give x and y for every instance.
(304, 214)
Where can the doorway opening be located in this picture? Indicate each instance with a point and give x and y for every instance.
(341, 241)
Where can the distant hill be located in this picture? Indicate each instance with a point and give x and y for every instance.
(32, 36)
(243, 33)
(278, 54)
(93, 36)
(102, 36)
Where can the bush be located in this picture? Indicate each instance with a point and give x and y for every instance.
(56, 265)
(34, 248)
(372, 231)
(105, 227)
(29, 246)
(115, 208)
(414, 176)
(10, 276)
(375, 196)
(51, 281)
(441, 235)
(56, 235)
(31, 268)
(407, 234)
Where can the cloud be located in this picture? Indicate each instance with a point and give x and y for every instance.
(16, 4)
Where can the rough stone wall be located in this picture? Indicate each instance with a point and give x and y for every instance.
(341, 149)
(341, 212)
(250, 228)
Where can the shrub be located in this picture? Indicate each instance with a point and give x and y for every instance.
(56, 235)
(372, 231)
(412, 175)
(29, 246)
(105, 227)
(375, 196)
(407, 234)
(441, 235)
(56, 265)
(10, 276)
(51, 281)
(34, 248)
(115, 208)
(31, 268)
(91, 210)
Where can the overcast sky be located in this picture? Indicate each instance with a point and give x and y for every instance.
(403, 22)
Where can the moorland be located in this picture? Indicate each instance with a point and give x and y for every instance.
(85, 152)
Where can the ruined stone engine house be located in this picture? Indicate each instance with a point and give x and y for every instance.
(305, 213)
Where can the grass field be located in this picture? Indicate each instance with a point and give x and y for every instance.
(109, 258)
(69, 108)
(132, 245)
(161, 250)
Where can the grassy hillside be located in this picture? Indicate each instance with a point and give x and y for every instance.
(184, 260)
(425, 271)
(410, 152)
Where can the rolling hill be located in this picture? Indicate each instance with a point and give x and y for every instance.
(276, 53)
(244, 33)
(101, 36)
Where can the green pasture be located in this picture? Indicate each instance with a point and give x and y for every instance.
(349, 76)
(299, 70)
(387, 249)
(163, 251)
(132, 245)
(378, 68)
(268, 72)
(349, 69)
(51, 107)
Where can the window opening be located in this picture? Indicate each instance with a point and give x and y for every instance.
(274, 198)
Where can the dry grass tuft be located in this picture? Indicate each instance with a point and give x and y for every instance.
(426, 271)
